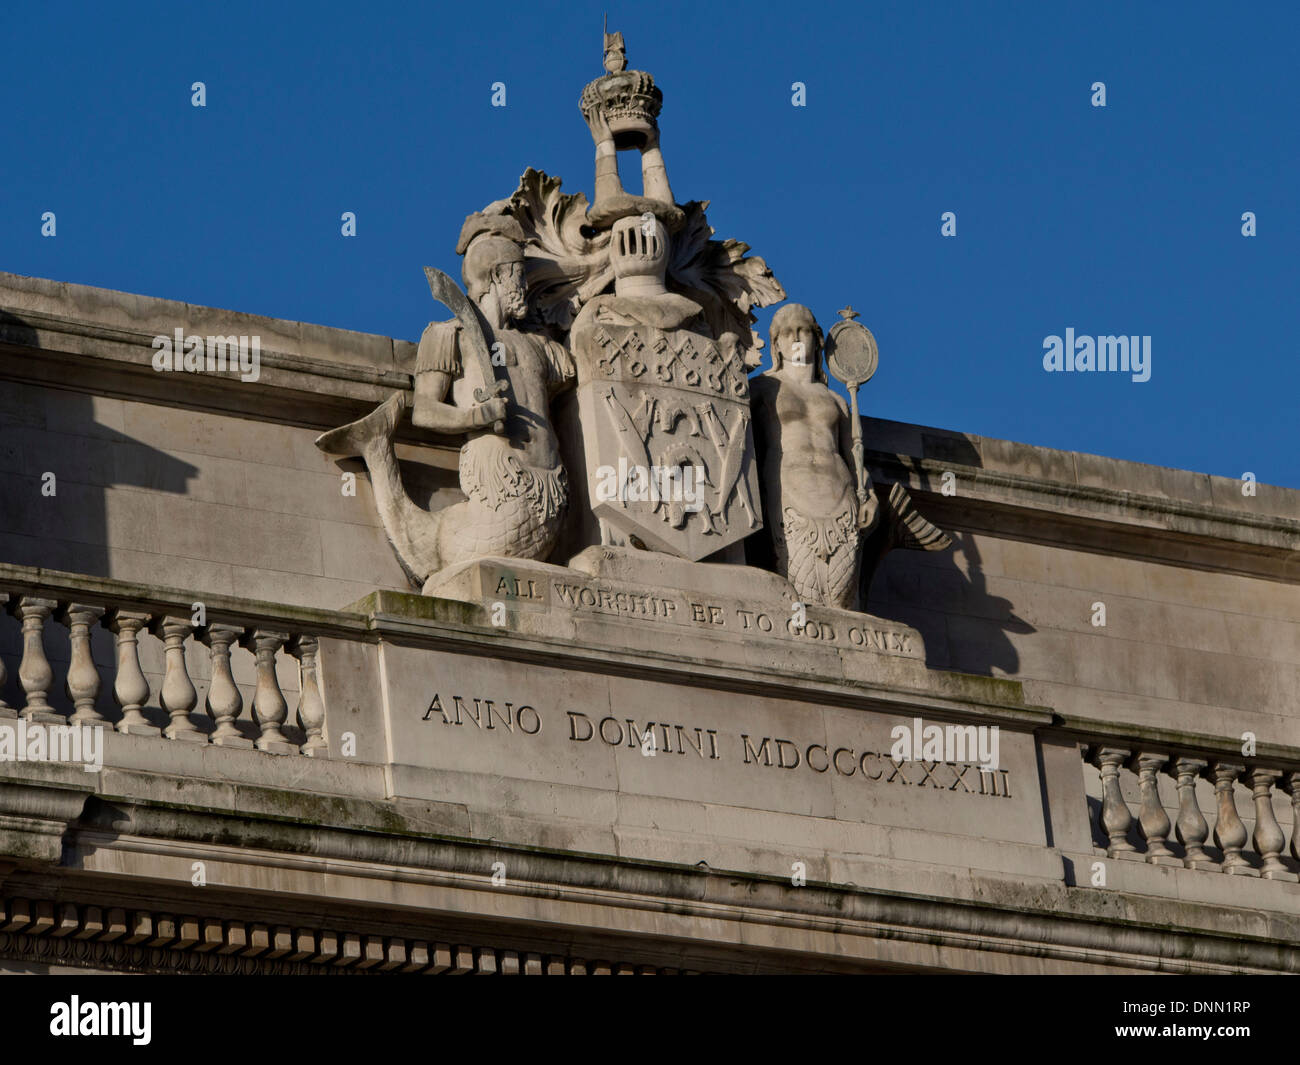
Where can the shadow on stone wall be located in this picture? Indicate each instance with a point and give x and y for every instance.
(429, 487)
(964, 627)
(46, 430)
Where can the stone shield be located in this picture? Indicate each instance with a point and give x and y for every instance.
(670, 449)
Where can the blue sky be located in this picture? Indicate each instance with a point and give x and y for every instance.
(1122, 220)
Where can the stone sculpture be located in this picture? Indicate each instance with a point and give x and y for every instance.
(817, 506)
(510, 469)
(662, 390)
(622, 110)
(830, 526)
(666, 406)
(659, 436)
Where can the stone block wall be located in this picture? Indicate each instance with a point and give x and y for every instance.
(216, 487)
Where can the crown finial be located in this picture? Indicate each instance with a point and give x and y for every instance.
(615, 50)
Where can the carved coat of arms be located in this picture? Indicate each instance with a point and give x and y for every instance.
(666, 411)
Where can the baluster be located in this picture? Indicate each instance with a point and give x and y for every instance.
(1191, 826)
(1229, 832)
(178, 695)
(269, 706)
(224, 702)
(34, 672)
(1269, 839)
(1115, 816)
(82, 684)
(5, 709)
(1153, 822)
(130, 687)
(1291, 782)
(311, 708)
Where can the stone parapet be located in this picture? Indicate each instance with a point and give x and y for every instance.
(687, 809)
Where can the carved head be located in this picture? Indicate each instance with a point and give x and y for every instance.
(638, 248)
(796, 324)
(495, 265)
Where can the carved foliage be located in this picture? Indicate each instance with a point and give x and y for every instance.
(568, 263)
(719, 276)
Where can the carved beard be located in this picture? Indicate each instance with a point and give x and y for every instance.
(511, 300)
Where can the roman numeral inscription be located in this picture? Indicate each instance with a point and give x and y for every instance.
(705, 746)
(875, 766)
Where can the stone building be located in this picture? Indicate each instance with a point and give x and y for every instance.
(617, 734)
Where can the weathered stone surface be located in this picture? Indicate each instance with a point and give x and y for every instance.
(654, 593)
(816, 490)
(571, 753)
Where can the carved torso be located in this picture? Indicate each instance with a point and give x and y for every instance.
(808, 487)
(800, 427)
(536, 369)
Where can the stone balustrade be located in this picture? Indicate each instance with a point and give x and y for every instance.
(145, 662)
(54, 611)
(1139, 826)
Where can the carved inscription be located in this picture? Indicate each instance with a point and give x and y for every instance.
(499, 584)
(862, 633)
(508, 716)
(962, 777)
(744, 619)
(704, 746)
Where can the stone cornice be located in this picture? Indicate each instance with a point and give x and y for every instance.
(310, 375)
(1096, 732)
(695, 913)
(147, 940)
(1115, 520)
(1028, 490)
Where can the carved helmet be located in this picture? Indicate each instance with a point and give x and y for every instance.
(638, 247)
(488, 240)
